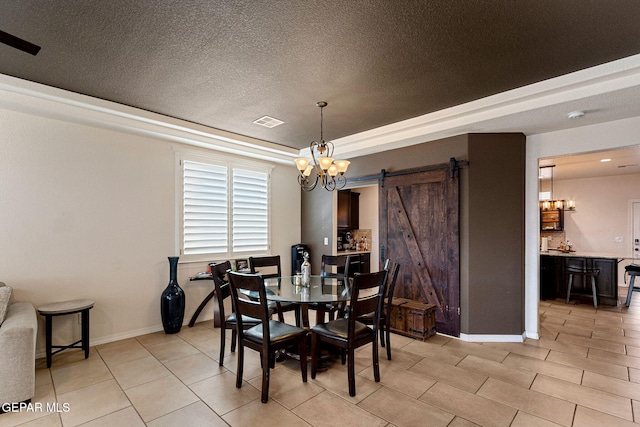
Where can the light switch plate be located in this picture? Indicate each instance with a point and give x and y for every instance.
(326, 241)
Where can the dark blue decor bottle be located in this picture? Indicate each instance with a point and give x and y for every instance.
(172, 301)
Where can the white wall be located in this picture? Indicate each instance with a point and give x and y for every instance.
(602, 213)
(620, 133)
(601, 223)
(88, 212)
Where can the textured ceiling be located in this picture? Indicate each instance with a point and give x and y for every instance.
(225, 63)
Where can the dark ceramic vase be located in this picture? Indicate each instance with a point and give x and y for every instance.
(172, 301)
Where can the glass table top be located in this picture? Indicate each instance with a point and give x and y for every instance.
(320, 290)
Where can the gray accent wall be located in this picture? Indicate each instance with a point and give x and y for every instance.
(317, 223)
(495, 300)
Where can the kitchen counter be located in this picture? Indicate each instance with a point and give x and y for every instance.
(352, 252)
(556, 252)
(554, 275)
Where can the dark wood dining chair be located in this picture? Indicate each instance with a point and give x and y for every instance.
(392, 268)
(222, 292)
(334, 266)
(348, 333)
(267, 267)
(267, 337)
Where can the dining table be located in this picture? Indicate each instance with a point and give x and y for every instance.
(319, 292)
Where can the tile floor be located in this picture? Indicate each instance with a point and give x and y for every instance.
(583, 371)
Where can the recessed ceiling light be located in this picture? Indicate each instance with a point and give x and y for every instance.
(268, 122)
(605, 160)
(575, 114)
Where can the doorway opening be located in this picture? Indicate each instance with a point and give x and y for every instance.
(605, 219)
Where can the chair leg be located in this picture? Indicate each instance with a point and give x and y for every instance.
(595, 292)
(314, 355)
(265, 376)
(240, 366)
(569, 288)
(302, 351)
(298, 313)
(280, 314)
(381, 332)
(388, 333)
(234, 339)
(222, 343)
(630, 290)
(272, 359)
(376, 364)
(351, 372)
(340, 312)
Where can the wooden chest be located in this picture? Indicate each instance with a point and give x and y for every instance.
(413, 318)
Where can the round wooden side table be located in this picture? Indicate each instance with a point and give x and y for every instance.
(60, 309)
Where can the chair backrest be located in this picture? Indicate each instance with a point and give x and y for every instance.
(361, 306)
(392, 269)
(241, 285)
(266, 266)
(221, 287)
(339, 263)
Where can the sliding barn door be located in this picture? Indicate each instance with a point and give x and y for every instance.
(419, 229)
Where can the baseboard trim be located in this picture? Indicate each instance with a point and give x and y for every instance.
(491, 338)
(125, 335)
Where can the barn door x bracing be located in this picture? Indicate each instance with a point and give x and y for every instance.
(419, 229)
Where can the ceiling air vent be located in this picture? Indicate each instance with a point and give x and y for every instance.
(268, 122)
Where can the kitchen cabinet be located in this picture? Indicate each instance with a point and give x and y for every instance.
(348, 210)
(552, 220)
(554, 279)
(552, 284)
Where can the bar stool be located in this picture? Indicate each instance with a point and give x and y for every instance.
(584, 272)
(60, 309)
(632, 270)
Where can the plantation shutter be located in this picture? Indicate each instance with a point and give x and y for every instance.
(205, 209)
(250, 195)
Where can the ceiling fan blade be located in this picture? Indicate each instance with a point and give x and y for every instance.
(19, 43)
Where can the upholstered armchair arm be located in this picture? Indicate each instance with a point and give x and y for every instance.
(17, 353)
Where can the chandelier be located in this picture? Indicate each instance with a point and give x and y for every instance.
(545, 189)
(321, 168)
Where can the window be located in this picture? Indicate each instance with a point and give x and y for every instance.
(250, 218)
(224, 208)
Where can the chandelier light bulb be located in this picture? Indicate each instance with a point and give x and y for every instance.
(302, 163)
(325, 163)
(342, 165)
